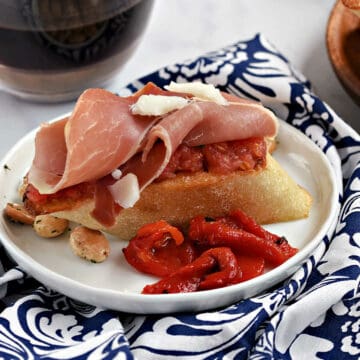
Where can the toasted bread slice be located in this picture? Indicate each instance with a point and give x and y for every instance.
(268, 195)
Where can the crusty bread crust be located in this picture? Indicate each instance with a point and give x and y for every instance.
(353, 6)
(269, 195)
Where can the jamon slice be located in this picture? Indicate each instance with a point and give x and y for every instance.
(199, 123)
(99, 136)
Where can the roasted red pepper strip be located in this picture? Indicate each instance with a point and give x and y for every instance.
(251, 266)
(219, 233)
(215, 268)
(162, 227)
(229, 270)
(159, 249)
(249, 224)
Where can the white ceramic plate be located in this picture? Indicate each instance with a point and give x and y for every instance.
(115, 285)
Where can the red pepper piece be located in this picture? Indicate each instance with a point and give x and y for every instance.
(249, 224)
(159, 249)
(219, 233)
(161, 227)
(251, 266)
(229, 270)
(214, 268)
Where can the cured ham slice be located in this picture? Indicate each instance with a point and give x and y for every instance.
(236, 121)
(199, 123)
(99, 136)
(50, 154)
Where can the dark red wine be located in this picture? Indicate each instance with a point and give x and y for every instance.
(51, 40)
(74, 46)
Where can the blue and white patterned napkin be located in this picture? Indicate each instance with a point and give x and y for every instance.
(314, 315)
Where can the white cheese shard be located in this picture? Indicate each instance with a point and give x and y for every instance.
(155, 105)
(200, 90)
(126, 191)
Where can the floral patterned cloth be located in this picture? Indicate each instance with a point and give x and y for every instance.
(313, 315)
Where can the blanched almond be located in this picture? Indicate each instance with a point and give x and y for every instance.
(18, 213)
(49, 226)
(89, 244)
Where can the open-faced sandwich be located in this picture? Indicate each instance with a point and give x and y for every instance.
(117, 163)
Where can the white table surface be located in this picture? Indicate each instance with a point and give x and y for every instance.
(183, 29)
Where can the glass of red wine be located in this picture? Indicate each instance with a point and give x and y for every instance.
(52, 50)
